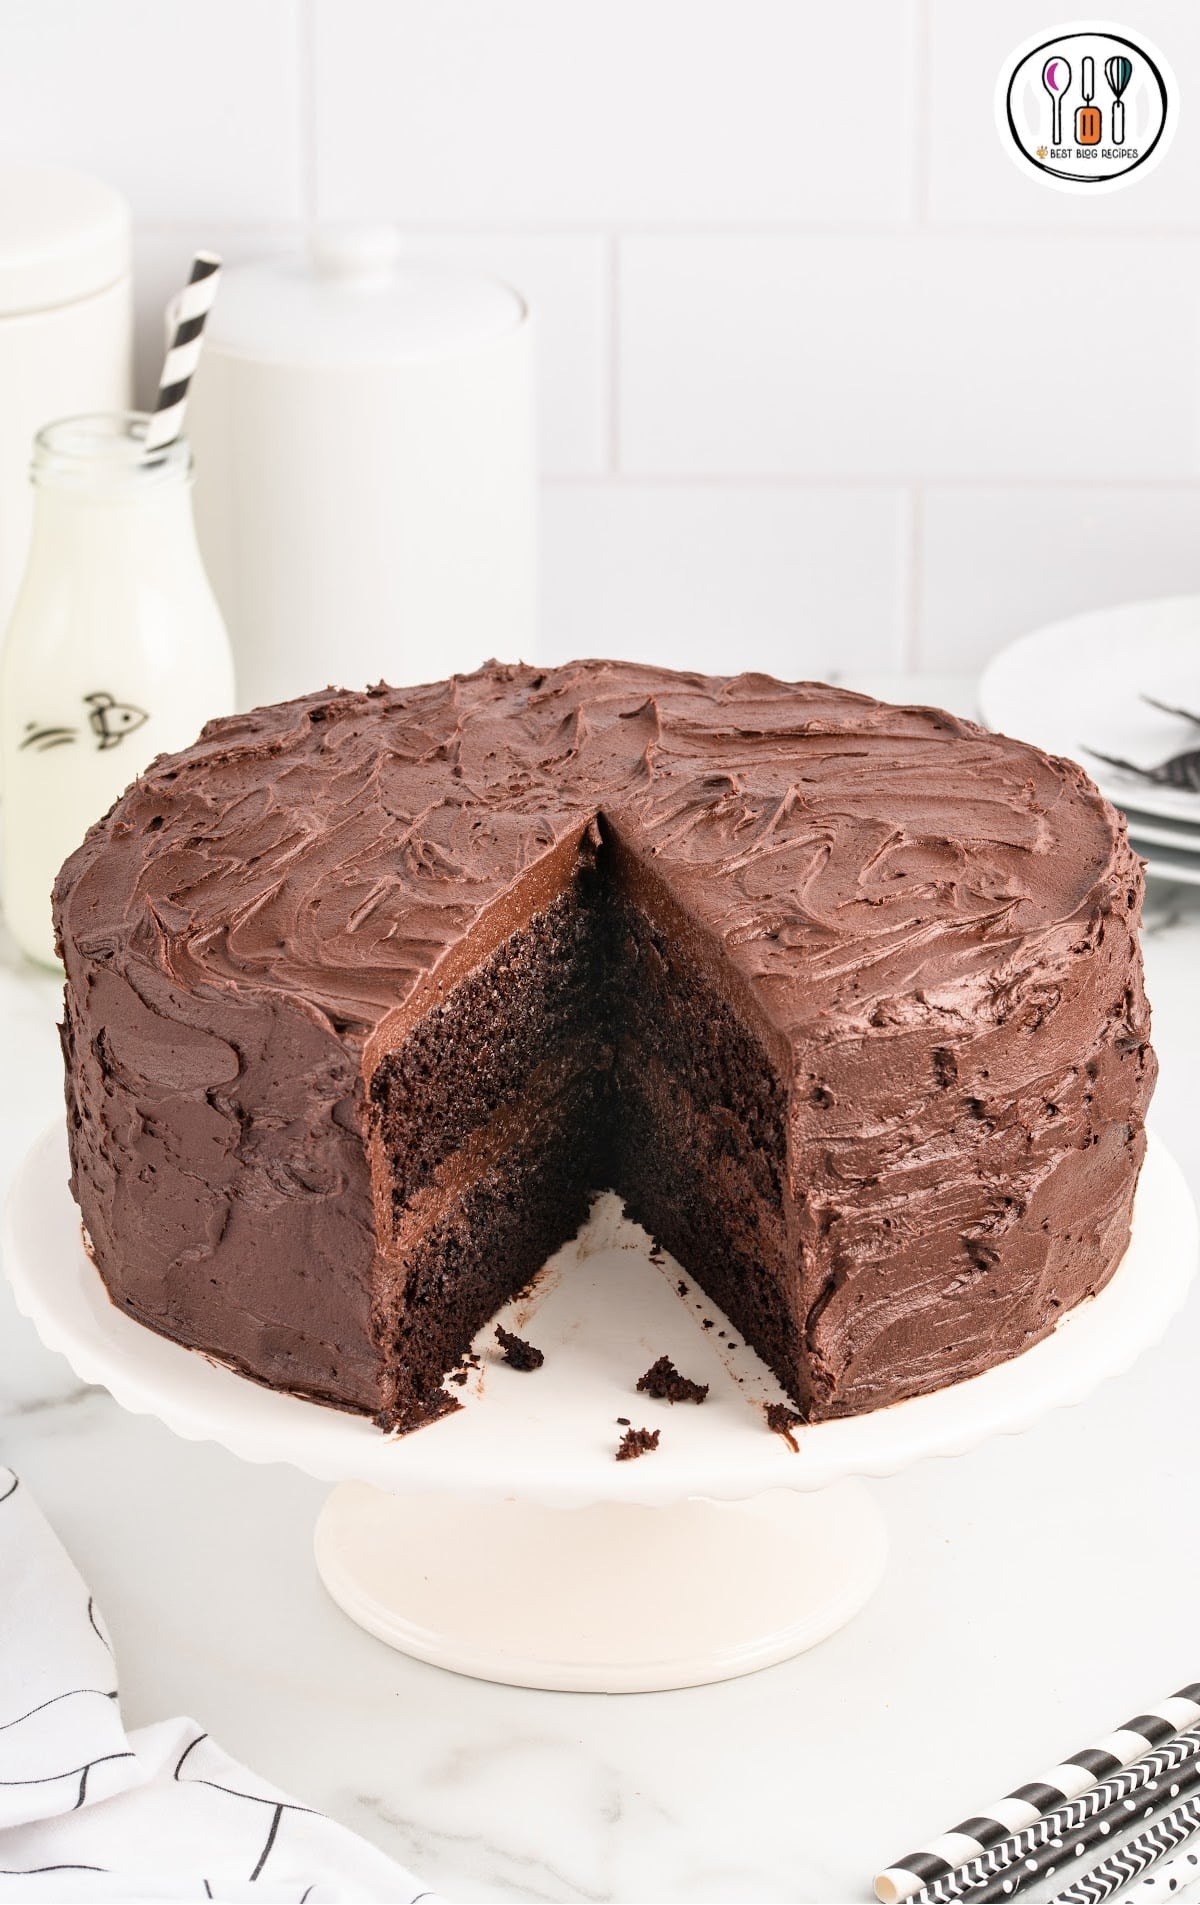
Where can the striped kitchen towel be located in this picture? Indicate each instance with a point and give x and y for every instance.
(91, 1812)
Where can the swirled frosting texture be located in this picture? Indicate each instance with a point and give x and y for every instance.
(930, 929)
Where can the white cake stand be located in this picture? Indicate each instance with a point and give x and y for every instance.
(506, 1542)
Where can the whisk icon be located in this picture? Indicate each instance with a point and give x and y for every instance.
(1118, 72)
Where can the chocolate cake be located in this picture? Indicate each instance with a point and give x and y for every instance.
(368, 994)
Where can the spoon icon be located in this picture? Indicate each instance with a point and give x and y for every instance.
(1056, 78)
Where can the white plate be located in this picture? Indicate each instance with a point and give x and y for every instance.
(1156, 832)
(1076, 684)
(602, 1312)
(1163, 864)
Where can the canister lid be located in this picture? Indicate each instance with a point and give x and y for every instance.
(63, 236)
(354, 297)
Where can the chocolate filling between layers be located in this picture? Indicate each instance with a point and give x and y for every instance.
(586, 1053)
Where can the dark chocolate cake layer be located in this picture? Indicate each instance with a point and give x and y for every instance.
(367, 992)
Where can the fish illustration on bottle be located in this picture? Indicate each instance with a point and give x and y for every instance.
(110, 721)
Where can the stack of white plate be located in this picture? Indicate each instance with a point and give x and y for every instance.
(1084, 688)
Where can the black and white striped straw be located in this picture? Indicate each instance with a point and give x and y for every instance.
(1061, 1838)
(1135, 1858)
(1020, 1808)
(192, 307)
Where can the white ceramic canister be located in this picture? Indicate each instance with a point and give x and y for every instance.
(115, 652)
(366, 497)
(66, 321)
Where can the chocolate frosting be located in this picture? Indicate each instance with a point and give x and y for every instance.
(931, 929)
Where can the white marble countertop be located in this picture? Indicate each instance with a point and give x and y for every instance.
(1040, 1590)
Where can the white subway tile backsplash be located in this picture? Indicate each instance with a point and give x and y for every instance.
(825, 382)
(997, 561)
(973, 180)
(634, 110)
(922, 354)
(566, 281)
(795, 581)
(192, 111)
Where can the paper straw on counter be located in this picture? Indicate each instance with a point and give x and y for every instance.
(1148, 1849)
(1022, 1807)
(1113, 1806)
(192, 307)
(1174, 1878)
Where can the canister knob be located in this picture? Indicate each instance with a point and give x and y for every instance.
(361, 254)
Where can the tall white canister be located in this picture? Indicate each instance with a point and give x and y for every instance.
(365, 494)
(65, 326)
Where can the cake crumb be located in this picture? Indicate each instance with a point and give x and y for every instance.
(783, 1420)
(682, 1288)
(656, 1255)
(518, 1354)
(708, 1323)
(623, 1422)
(637, 1442)
(663, 1381)
(460, 1376)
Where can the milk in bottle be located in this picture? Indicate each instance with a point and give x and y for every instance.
(116, 650)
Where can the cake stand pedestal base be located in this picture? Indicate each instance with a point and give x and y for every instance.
(601, 1599)
(504, 1541)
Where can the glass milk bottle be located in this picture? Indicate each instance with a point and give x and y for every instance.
(116, 650)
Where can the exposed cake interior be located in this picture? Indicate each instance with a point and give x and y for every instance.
(588, 1051)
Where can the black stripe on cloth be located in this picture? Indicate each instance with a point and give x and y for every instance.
(984, 1831)
(256, 1799)
(923, 1866)
(1040, 1796)
(187, 1750)
(1151, 1726)
(266, 1851)
(96, 1626)
(74, 1694)
(12, 1488)
(32, 1871)
(171, 394)
(203, 268)
(68, 1772)
(1191, 1693)
(1094, 1760)
(188, 331)
(208, 1891)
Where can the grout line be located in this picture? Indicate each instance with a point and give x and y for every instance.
(236, 227)
(614, 355)
(919, 132)
(910, 637)
(306, 27)
(684, 228)
(743, 479)
(517, 228)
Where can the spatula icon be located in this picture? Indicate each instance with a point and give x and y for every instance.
(1088, 123)
(1056, 78)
